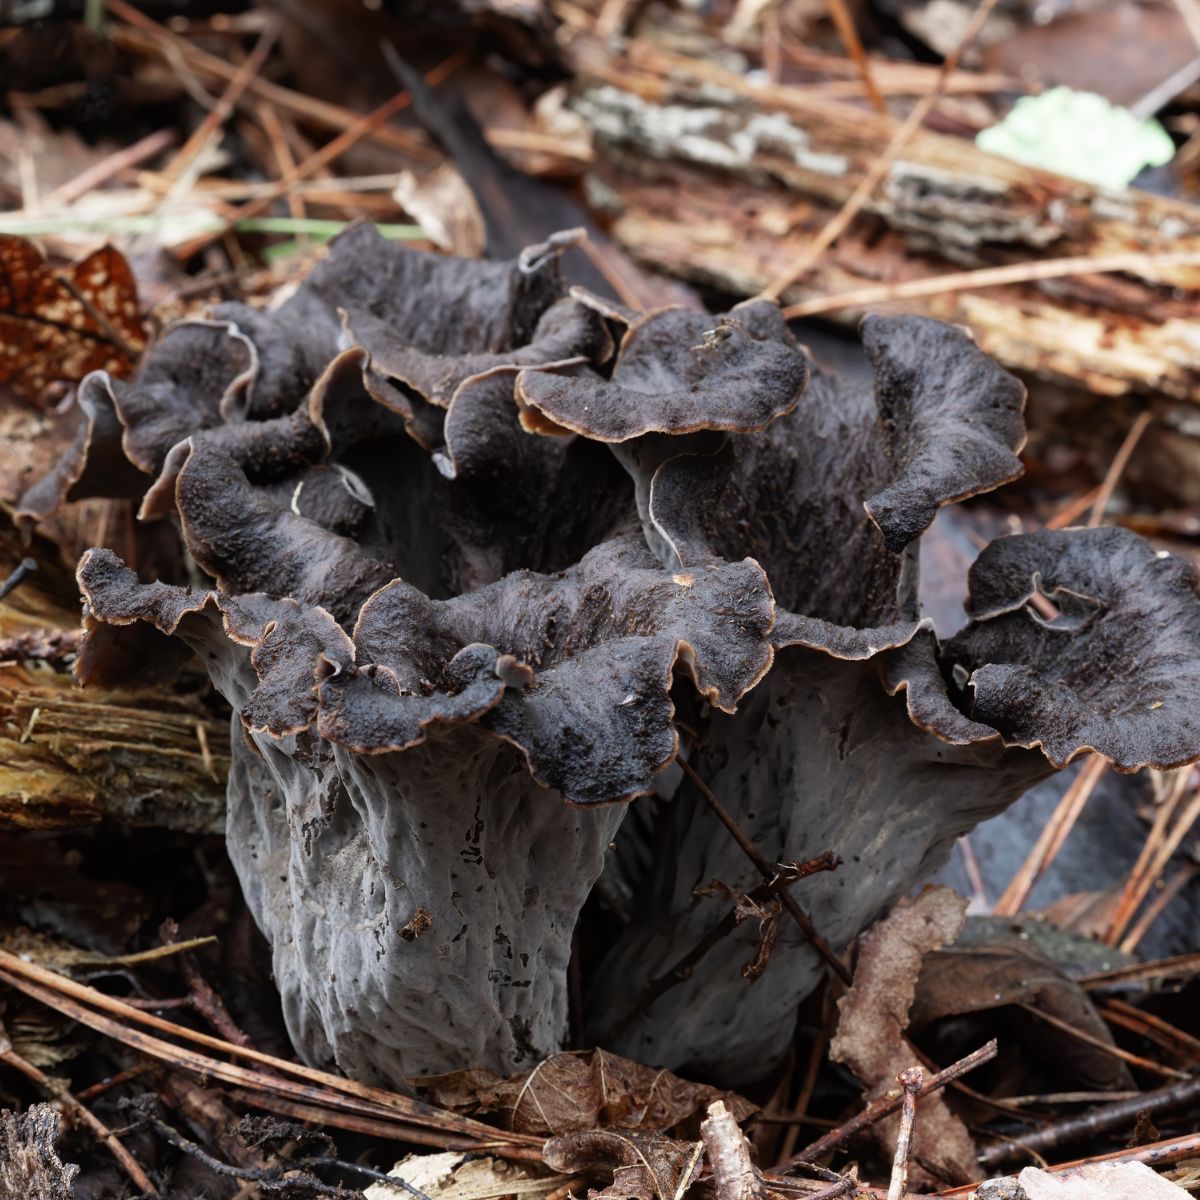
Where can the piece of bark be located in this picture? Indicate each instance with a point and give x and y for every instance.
(723, 183)
(70, 759)
(29, 1165)
(729, 1156)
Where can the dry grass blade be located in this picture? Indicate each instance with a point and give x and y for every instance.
(1051, 839)
(71, 998)
(861, 194)
(988, 277)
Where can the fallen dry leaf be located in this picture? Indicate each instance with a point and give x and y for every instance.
(61, 324)
(874, 1014)
(645, 1166)
(584, 1090)
(995, 964)
(459, 1176)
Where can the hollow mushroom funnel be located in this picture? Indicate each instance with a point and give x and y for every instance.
(473, 576)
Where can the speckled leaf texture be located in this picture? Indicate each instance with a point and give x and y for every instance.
(487, 556)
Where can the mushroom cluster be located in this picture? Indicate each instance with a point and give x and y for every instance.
(489, 555)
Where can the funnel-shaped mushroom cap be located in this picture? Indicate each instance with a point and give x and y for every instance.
(429, 323)
(678, 371)
(1117, 671)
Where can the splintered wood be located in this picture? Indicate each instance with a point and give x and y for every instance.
(724, 182)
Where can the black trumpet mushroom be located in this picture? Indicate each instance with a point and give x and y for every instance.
(478, 582)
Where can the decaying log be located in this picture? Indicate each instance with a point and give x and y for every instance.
(723, 182)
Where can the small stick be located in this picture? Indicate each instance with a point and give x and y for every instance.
(729, 1156)
(1094, 1122)
(1052, 837)
(1117, 468)
(861, 194)
(985, 277)
(886, 1105)
(910, 1081)
(801, 918)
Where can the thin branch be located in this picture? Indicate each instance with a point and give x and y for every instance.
(886, 1105)
(797, 914)
(1096, 1121)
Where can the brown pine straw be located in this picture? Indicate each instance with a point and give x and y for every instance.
(861, 194)
(1080, 1035)
(1182, 877)
(226, 102)
(984, 277)
(1052, 837)
(1181, 966)
(1117, 468)
(408, 1119)
(1162, 1033)
(1161, 844)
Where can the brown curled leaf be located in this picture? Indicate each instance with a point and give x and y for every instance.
(645, 1166)
(874, 1013)
(63, 324)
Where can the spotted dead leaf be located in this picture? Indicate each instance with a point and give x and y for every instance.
(645, 1166)
(60, 324)
(577, 1091)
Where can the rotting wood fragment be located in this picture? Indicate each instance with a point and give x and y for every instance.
(724, 189)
